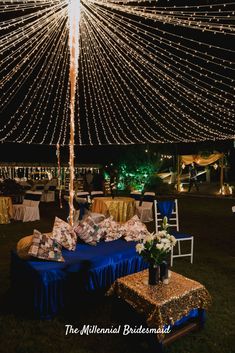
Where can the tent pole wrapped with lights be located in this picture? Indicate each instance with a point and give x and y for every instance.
(74, 17)
(148, 73)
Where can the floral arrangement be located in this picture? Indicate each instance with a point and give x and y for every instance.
(154, 247)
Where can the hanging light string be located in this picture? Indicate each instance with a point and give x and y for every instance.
(98, 60)
(176, 73)
(102, 97)
(36, 119)
(27, 71)
(148, 73)
(123, 65)
(40, 91)
(173, 65)
(184, 19)
(98, 55)
(137, 128)
(57, 104)
(59, 174)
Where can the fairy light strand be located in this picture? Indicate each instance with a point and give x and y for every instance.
(147, 73)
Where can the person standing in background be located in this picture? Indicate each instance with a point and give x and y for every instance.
(193, 177)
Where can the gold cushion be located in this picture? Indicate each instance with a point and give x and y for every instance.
(23, 246)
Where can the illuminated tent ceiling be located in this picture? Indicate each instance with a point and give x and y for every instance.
(149, 72)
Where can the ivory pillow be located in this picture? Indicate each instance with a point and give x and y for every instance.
(134, 229)
(109, 229)
(88, 231)
(64, 234)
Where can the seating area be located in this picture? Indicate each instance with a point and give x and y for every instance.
(117, 177)
(145, 210)
(48, 274)
(88, 268)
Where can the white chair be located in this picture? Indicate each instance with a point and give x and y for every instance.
(29, 210)
(169, 209)
(145, 211)
(97, 193)
(233, 209)
(97, 217)
(137, 196)
(83, 195)
(82, 198)
(49, 194)
(39, 187)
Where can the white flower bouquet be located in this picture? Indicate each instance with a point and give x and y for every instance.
(155, 247)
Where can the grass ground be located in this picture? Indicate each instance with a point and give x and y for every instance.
(212, 224)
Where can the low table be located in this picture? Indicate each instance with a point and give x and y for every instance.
(173, 304)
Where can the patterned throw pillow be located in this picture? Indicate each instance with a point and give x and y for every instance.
(88, 231)
(134, 229)
(23, 246)
(109, 229)
(44, 247)
(64, 234)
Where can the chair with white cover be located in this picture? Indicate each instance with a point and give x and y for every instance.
(49, 194)
(233, 209)
(169, 209)
(29, 210)
(137, 196)
(39, 187)
(83, 199)
(83, 195)
(145, 211)
(97, 217)
(97, 193)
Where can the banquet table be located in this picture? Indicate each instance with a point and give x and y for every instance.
(177, 303)
(5, 209)
(121, 208)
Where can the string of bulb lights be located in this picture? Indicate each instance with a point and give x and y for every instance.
(147, 73)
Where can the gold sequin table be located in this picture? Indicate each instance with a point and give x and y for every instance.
(162, 304)
(5, 209)
(121, 208)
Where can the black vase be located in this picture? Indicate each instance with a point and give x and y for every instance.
(153, 275)
(163, 270)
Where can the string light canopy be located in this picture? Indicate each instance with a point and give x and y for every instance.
(149, 72)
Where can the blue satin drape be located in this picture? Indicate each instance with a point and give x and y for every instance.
(166, 208)
(44, 285)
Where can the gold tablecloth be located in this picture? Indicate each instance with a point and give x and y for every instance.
(162, 304)
(5, 209)
(121, 208)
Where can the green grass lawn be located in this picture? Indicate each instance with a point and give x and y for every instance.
(213, 226)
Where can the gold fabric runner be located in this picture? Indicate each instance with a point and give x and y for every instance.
(121, 208)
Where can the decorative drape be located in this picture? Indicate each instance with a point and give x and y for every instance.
(201, 160)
